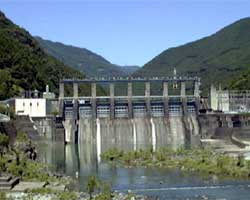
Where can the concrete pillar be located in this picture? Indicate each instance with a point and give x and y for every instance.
(61, 96)
(197, 95)
(75, 121)
(61, 90)
(197, 89)
(130, 94)
(147, 89)
(93, 99)
(165, 97)
(75, 90)
(183, 97)
(213, 98)
(219, 98)
(75, 110)
(147, 96)
(112, 100)
(183, 89)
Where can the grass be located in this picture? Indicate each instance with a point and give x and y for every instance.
(60, 195)
(203, 161)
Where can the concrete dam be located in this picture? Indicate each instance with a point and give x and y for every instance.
(133, 122)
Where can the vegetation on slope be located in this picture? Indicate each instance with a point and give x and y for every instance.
(129, 69)
(83, 60)
(218, 58)
(242, 82)
(14, 160)
(24, 65)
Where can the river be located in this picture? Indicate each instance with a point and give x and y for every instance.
(161, 183)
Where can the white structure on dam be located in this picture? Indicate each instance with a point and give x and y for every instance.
(230, 101)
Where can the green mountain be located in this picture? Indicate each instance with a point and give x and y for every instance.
(242, 82)
(219, 58)
(127, 69)
(23, 63)
(84, 60)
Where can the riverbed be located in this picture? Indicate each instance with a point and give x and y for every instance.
(164, 184)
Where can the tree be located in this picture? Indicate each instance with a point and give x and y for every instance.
(4, 142)
(7, 110)
(22, 137)
(7, 87)
(55, 112)
(92, 184)
(3, 196)
(241, 161)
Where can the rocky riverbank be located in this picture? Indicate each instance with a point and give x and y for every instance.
(52, 195)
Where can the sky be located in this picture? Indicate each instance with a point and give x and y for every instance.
(125, 32)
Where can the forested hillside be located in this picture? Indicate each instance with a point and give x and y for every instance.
(84, 60)
(23, 63)
(219, 58)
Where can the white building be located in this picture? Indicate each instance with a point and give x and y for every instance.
(30, 107)
(219, 99)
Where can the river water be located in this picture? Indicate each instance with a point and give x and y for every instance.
(161, 183)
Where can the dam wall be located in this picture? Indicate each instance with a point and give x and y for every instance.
(146, 132)
(173, 131)
(70, 132)
(156, 119)
(138, 133)
(86, 130)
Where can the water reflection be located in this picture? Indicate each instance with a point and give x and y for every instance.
(52, 154)
(87, 156)
(72, 162)
(166, 184)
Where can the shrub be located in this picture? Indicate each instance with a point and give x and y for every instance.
(16, 170)
(3, 162)
(6, 110)
(106, 191)
(248, 164)
(22, 137)
(4, 142)
(59, 195)
(222, 161)
(92, 185)
(67, 196)
(55, 112)
(241, 161)
(112, 154)
(3, 196)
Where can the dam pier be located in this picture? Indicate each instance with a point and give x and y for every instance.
(131, 121)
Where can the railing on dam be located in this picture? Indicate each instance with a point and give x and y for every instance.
(130, 106)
